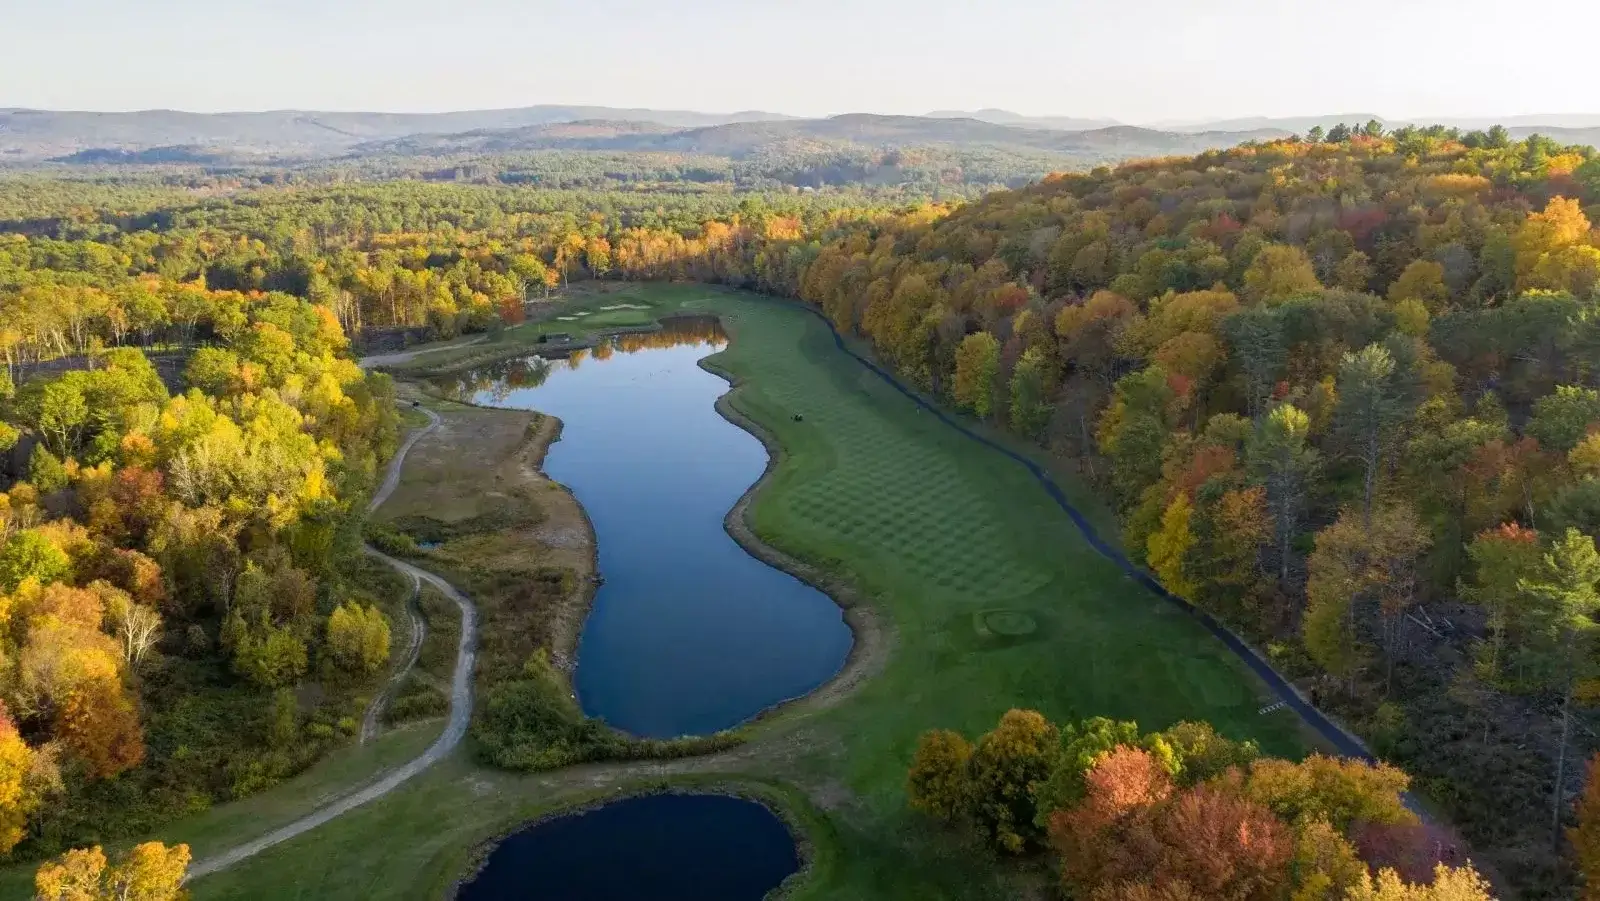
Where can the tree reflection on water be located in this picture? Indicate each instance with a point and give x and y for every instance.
(498, 380)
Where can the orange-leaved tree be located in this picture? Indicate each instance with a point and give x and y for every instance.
(1585, 836)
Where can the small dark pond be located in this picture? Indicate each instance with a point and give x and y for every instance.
(653, 848)
(689, 634)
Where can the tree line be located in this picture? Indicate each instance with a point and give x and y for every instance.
(180, 619)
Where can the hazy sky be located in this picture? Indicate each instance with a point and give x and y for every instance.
(1133, 60)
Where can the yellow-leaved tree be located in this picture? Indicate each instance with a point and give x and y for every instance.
(1449, 884)
(939, 783)
(358, 638)
(1354, 560)
(25, 775)
(1170, 544)
(150, 872)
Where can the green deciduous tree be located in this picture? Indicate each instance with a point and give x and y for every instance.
(1134, 429)
(1561, 420)
(1081, 747)
(1503, 559)
(977, 361)
(56, 408)
(269, 656)
(1030, 393)
(30, 554)
(45, 470)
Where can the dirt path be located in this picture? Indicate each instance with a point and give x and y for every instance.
(460, 695)
(406, 356)
(372, 721)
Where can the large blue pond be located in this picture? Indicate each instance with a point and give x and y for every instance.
(689, 634)
(655, 848)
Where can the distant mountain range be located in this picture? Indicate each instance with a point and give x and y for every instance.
(1006, 117)
(42, 134)
(740, 139)
(165, 136)
(1543, 124)
(1289, 125)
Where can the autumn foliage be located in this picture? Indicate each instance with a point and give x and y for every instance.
(1187, 813)
(158, 540)
(148, 872)
(1331, 386)
(1585, 836)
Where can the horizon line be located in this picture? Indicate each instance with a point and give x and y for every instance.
(1351, 117)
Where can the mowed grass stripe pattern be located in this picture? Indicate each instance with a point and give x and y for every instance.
(945, 532)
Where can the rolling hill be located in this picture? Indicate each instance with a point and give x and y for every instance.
(741, 139)
(1007, 117)
(27, 135)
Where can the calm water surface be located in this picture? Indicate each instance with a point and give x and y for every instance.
(655, 848)
(689, 634)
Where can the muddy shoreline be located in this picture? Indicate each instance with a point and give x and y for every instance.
(568, 626)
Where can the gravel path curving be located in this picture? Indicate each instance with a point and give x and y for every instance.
(372, 722)
(460, 694)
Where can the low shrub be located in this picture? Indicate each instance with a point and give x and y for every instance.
(533, 723)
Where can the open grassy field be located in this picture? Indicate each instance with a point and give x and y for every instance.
(991, 598)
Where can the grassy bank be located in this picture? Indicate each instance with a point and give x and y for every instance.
(574, 318)
(992, 598)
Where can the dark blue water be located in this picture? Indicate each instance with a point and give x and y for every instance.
(689, 634)
(655, 848)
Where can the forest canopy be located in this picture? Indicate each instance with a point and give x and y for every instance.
(1343, 393)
